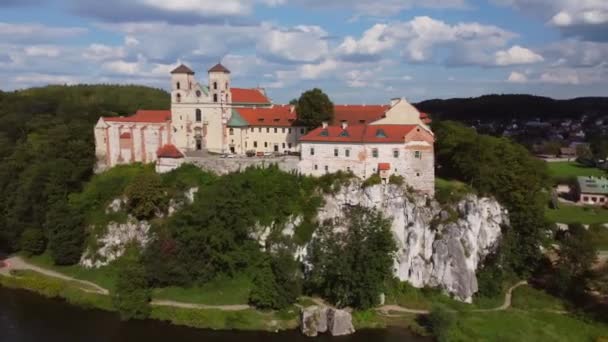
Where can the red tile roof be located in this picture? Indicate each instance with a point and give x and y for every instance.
(182, 69)
(241, 95)
(358, 114)
(125, 135)
(169, 151)
(151, 116)
(360, 134)
(384, 166)
(219, 68)
(278, 116)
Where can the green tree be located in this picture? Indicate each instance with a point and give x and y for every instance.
(441, 320)
(131, 296)
(583, 151)
(146, 195)
(33, 241)
(351, 267)
(577, 254)
(66, 233)
(314, 107)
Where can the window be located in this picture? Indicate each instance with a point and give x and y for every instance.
(312, 151)
(179, 97)
(418, 155)
(178, 86)
(585, 198)
(289, 145)
(301, 130)
(214, 97)
(283, 145)
(326, 168)
(380, 133)
(214, 85)
(198, 93)
(348, 169)
(289, 130)
(255, 144)
(282, 130)
(275, 130)
(324, 133)
(347, 152)
(267, 130)
(252, 129)
(335, 152)
(375, 153)
(199, 115)
(344, 133)
(396, 153)
(417, 174)
(231, 131)
(265, 144)
(226, 85)
(316, 167)
(259, 129)
(361, 121)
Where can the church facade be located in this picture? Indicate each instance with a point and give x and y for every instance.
(216, 118)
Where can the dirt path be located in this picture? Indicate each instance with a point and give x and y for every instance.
(17, 263)
(386, 309)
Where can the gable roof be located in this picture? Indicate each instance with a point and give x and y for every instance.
(593, 185)
(182, 69)
(358, 114)
(250, 96)
(275, 116)
(236, 120)
(151, 116)
(169, 151)
(360, 134)
(219, 68)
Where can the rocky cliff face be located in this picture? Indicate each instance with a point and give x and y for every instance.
(438, 246)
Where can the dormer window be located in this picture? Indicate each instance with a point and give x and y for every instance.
(324, 133)
(261, 120)
(380, 133)
(361, 121)
(344, 133)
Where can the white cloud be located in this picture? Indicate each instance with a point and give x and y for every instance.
(202, 7)
(384, 8)
(560, 76)
(298, 44)
(517, 55)
(99, 52)
(29, 33)
(315, 71)
(122, 67)
(517, 77)
(419, 38)
(42, 51)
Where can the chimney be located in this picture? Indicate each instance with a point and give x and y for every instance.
(324, 124)
(292, 108)
(344, 124)
(394, 101)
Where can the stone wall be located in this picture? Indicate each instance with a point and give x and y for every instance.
(222, 166)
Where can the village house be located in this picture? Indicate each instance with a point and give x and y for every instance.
(591, 190)
(216, 118)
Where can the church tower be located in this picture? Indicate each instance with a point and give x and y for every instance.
(182, 81)
(219, 84)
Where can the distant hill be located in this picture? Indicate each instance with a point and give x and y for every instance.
(506, 107)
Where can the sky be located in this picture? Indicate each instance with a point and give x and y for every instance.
(357, 51)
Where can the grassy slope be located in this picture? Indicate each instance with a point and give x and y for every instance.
(222, 291)
(572, 169)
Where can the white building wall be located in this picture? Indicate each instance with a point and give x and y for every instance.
(267, 138)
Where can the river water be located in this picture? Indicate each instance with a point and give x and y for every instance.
(26, 317)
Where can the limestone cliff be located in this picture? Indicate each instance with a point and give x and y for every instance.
(439, 246)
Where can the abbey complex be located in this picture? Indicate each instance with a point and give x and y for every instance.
(216, 118)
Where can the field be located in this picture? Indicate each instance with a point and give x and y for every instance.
(577, 214)
(562, 170)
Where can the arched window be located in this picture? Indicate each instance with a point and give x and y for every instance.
(199, 115)
(226, 85)
(231, 131)
(214, 97)
(179, 97)
(178, 86)
(214, 85)
(198, 93)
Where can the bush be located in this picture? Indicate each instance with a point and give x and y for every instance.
(132, 296)
(66, 234)
(33, 241)
(396, 180)
(372, 180)
(441, 320)
(146, 196)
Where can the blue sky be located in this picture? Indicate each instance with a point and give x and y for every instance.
(358, 51)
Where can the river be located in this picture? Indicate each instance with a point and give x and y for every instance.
(27, 317)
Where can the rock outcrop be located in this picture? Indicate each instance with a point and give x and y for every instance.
(439, 246)
(320, 319)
